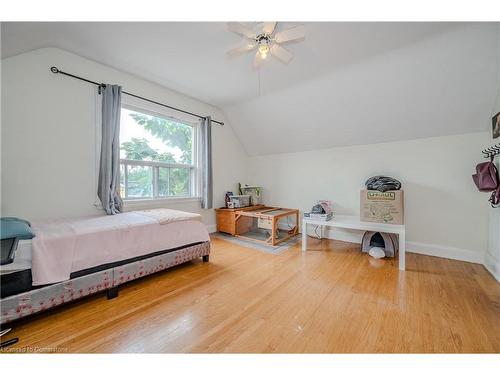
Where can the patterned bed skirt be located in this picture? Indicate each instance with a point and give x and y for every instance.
(41, 299)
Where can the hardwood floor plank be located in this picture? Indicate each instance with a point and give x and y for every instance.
(332, 298)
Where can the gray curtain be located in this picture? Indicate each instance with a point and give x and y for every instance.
(206, 163)
(108, 189)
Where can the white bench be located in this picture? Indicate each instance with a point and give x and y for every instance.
(353, 222)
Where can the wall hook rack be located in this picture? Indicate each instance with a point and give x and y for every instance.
(491, 151)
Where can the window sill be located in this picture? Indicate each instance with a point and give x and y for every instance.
(158, 202)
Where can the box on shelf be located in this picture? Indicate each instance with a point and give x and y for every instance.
(265, 223)
(382, 207)
(326, 208)
(320, 217)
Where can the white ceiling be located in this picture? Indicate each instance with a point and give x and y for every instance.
(349, 83)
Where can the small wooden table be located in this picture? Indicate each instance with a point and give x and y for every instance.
(268, 218)
(353, 222)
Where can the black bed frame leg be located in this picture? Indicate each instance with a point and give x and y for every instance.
(206, 258)
(112, 292)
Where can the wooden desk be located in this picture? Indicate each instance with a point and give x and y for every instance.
(238, 221)
(268, 218)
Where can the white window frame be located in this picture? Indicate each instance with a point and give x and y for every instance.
(152, 109)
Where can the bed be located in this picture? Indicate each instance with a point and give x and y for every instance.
(70, 259)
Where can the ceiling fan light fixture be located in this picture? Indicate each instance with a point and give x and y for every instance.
(266, 43)
(264, 50)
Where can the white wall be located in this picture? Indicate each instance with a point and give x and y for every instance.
(492, 256)
(49, 136)
(445, 215)
(48, 161)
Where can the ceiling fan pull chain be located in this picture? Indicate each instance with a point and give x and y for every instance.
(258, 72)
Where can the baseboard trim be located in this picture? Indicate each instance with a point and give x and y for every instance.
(492, 265)
(448, 252)
(440, 251)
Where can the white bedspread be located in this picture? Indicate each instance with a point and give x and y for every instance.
(166, 215)
(65, 246)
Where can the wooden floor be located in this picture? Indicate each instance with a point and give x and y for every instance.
(330, 299)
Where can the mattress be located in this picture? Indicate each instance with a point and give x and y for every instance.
(64, 247)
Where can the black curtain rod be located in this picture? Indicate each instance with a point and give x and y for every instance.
(55, 70)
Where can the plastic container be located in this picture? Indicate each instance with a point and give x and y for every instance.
(254, 192)
(239, 201)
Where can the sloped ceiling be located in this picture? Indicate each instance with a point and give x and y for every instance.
(349, 83)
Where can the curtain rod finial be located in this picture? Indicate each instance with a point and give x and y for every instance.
(53, 69)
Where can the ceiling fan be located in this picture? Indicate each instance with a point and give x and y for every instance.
(265, 41)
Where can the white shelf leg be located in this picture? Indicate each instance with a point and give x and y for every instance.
(304, 235)
(402, 251)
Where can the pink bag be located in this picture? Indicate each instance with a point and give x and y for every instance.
(487, 180)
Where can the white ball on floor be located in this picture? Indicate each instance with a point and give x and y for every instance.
(377, 252)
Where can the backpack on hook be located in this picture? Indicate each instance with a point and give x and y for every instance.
(487, 180)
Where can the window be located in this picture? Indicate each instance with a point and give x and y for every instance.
(157, 156)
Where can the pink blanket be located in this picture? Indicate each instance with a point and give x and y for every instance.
(65, 246)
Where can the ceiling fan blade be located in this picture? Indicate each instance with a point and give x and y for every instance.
(241, 29)
(281, 53)
(297, 32)
(268, 27)
(241, 50)
(257, 61)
